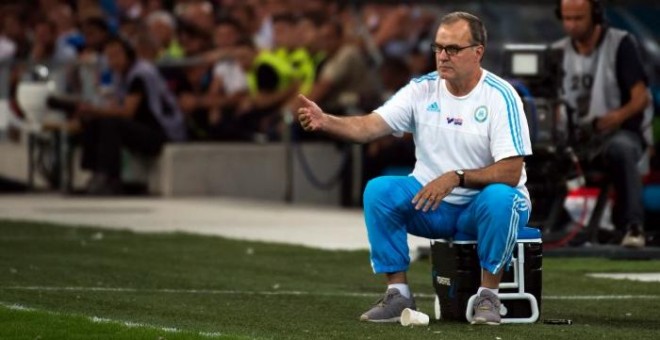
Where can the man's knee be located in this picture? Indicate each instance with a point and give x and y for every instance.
(377, 188)
(497, 191)
(622, 148)
(498, 198)
(385, 190)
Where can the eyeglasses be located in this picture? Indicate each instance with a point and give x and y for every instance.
(451, 50)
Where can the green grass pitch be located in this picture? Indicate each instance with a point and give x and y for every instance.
(73, 282)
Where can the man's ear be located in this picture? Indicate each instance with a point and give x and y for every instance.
(480, 52)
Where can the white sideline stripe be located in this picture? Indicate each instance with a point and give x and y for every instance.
(129, 324)
(601, 297)
(300, 293)
(195, 291)
(644, 277)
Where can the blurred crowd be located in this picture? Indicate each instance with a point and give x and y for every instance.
(235, 67)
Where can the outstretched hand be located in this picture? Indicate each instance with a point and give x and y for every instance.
(310, 115)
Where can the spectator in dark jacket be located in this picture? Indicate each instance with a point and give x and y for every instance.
(143, 116)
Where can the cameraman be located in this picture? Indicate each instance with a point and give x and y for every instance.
(605, 90)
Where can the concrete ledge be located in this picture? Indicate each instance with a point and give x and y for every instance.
(240, 170)
(245, 170)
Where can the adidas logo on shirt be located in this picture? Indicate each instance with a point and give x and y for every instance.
(433, 107)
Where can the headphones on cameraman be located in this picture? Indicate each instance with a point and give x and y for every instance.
(597, 11)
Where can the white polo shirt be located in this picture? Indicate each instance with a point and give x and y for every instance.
(452, 133)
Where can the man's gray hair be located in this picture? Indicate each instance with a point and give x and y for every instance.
(163, 17)
(477, 28)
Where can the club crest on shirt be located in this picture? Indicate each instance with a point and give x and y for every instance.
(481, 114)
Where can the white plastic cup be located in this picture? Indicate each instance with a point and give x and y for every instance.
(411, 317)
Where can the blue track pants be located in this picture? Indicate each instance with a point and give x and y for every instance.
(494, 216)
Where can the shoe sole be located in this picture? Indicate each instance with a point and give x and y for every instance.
(633, 244)
(390, 320)
(484, 322)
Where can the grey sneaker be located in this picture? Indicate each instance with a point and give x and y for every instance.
(486, 309)
(389, 307)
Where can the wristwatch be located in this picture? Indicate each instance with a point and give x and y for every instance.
(461, 177)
